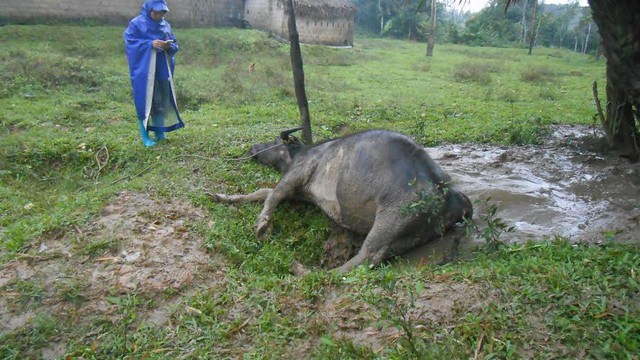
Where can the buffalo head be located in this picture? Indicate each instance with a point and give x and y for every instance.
(280, 152)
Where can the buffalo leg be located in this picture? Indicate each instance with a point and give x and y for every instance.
(366, 253)
(284, 190)
(376, 246)
(256, 196)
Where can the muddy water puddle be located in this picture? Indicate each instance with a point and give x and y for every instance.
(562, 188)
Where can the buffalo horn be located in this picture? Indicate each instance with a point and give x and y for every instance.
(285, 134)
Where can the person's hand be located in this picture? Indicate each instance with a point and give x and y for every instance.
(161, 45)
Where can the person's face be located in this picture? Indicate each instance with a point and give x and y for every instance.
(157, 15)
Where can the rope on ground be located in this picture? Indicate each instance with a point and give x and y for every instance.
(191, 156)
(102, 159)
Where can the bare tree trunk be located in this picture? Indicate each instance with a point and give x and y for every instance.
(618, 22)
(535, 43)
(586, 39)
(619, 122)
(381, 16)
(432, 30)
(532, 36)
(298, 73)
(523, 35)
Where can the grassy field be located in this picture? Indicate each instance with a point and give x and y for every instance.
(70, 149)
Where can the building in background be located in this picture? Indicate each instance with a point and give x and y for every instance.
(326, 22)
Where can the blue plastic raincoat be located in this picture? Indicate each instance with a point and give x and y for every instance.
(151, 70)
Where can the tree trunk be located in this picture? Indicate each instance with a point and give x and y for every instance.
(523, 35)
(619, 27)
(432, 30)
(381, 16)
(586, 39)
(532, 36)
(298, 73)
(619, 121)
(535, 42)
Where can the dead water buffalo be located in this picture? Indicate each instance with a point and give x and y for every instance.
(377, 185)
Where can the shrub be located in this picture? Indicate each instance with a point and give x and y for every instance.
(471, 72)
(526, 132)
(422, 66)
(536, 74)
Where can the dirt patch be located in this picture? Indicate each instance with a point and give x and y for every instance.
(139, 245)
(155, 250)
(438, 305)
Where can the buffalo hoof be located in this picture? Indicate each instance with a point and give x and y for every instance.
(263, 229)
(219, 198)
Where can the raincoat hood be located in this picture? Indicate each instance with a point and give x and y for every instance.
(156, 5)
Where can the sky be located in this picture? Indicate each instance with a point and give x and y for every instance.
(476, 5)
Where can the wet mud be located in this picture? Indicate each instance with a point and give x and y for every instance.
(566, 187)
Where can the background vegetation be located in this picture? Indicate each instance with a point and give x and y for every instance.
(70, 145)
(565, 26)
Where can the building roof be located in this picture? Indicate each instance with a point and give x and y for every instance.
(324, 8)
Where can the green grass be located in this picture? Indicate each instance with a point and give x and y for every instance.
(70, 146)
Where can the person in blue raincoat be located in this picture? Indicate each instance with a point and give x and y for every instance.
(151, 47)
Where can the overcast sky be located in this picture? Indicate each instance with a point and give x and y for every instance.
(476, 5)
